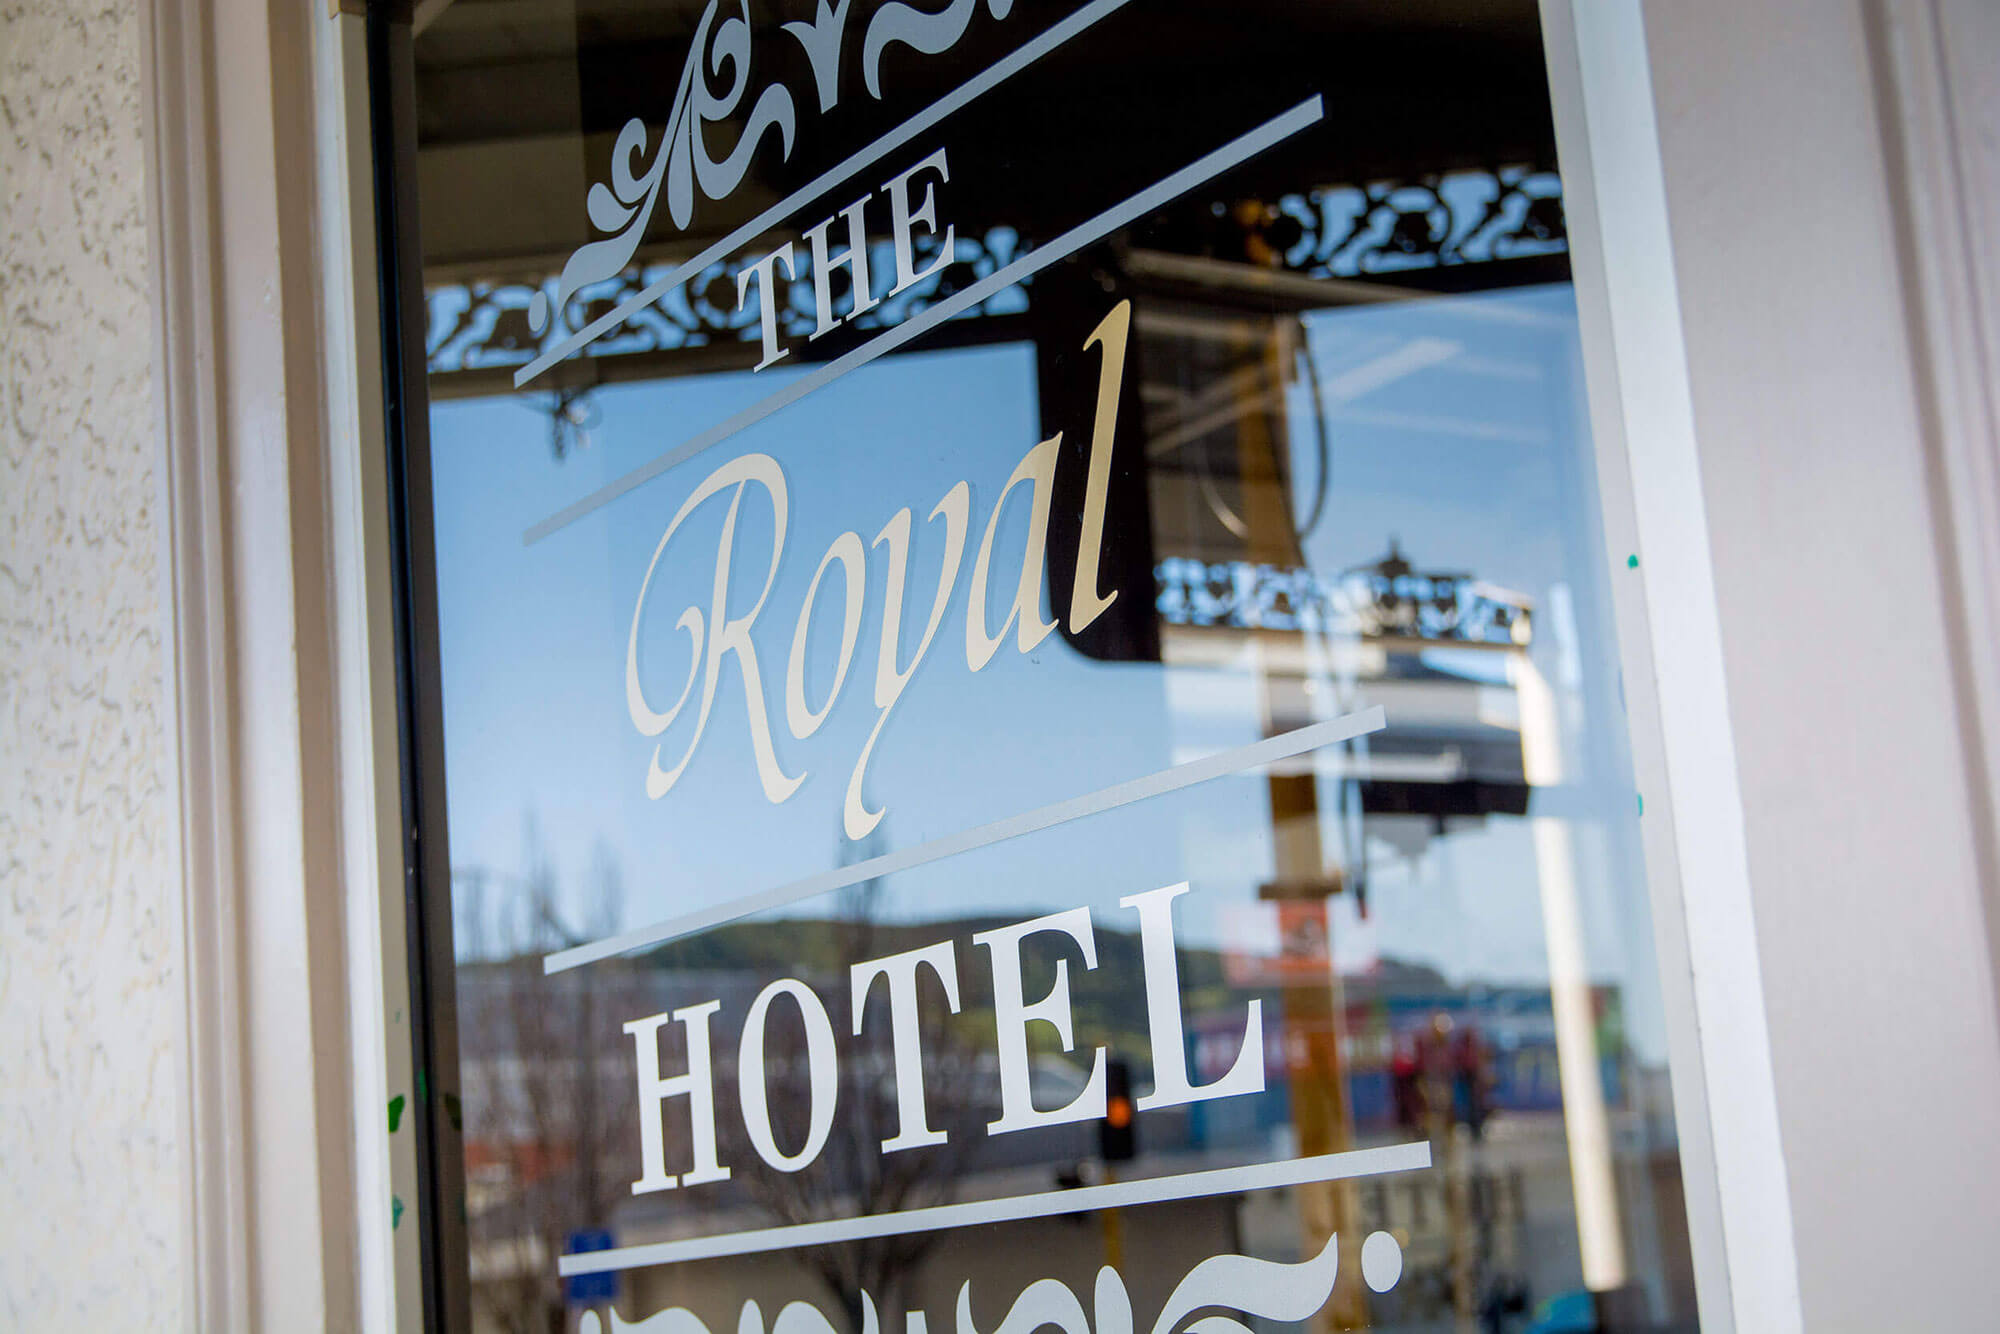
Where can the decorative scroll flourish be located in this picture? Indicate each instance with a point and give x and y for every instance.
(1365, 603)
(1265, 1289)
(681, 160)
(931, 34)
(821, 40)
(478, 326)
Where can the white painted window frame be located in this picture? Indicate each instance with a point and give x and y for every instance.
(1642, 425)
(1784, 238)
(298, 1197)
(274, 489)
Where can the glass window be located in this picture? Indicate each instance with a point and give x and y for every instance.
(1023, 722)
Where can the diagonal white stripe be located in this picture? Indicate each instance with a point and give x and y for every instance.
(1046, 1204)
(1220, 765)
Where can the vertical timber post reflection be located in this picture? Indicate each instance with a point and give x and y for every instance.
(1313, 1036)
(1586, 1123)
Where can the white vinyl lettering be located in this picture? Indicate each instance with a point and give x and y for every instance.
(912, 1122)
(715, 635)
(769, 298)
(1171, 1086)
(732, 636)
(822, 1075)
(955, 508)
(697, 1086)
(903, 222)
(908, 1002)
(1038, 469)
(680, 160)
(1012, 1015)
(799, 716)
(855, 257)
(1086, 604)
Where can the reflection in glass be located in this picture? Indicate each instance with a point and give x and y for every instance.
(1348, 469)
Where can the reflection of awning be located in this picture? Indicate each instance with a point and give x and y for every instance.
(1418, 778)
(1452, 747)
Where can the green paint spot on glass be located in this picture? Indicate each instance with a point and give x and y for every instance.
(1632, 561)
(423, 1091)
(395, 1212)
(454, 1112)
(1642, 802)
(395, 1113)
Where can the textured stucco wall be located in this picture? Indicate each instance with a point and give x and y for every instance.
(89, 1196)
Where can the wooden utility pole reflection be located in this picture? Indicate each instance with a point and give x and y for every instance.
(1313, 1015)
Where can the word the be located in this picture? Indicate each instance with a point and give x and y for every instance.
(903, 223)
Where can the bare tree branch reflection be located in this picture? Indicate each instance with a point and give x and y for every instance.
(544, 1117)
(853, 1177)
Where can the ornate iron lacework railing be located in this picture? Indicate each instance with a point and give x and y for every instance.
(1242, 595)
(1462, 217)
(1350, 231)
(480, 326)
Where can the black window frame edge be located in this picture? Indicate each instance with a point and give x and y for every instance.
(439, 1215)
